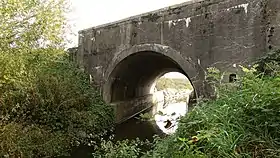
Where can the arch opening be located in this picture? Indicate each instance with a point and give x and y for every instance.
(173, 89)
(135, 75)
(132, 75)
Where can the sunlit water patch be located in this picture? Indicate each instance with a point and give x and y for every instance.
(167, 119)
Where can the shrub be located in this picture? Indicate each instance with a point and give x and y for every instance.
(29, 24)
(47, 105)
(121, 149)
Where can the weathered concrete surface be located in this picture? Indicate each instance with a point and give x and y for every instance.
(125, 57)
(125, 110)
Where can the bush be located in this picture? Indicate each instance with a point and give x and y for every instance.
(29, 24)
(47, 105)
(19, 140)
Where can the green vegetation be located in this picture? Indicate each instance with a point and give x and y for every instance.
(121, 149)
(47, 105)
(242, 122)
(163, 83)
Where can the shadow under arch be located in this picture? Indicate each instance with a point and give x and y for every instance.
(131, 72)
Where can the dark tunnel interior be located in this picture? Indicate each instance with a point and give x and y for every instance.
(134, 76)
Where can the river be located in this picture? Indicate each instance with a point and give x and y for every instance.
(130, 129)
(165, 122)
(135, 127)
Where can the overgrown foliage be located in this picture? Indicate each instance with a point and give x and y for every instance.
(26, 24)
(121, 149)
(46, 104)
(243, 121)
(269, 64)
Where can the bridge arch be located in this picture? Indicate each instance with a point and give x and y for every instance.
(132, 72)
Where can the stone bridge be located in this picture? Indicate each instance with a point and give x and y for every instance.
(125, 57)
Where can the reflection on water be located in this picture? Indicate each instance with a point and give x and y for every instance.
(167, 121)
(171, 104)
(82, 151)
(131, 129)
(134, 128)
(164, 123)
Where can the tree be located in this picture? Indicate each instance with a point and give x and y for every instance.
(26, 24)
(47, 105)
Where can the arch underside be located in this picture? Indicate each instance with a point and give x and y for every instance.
(135, 75)
(133, 72)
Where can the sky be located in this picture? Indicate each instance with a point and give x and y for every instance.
(88, 13)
